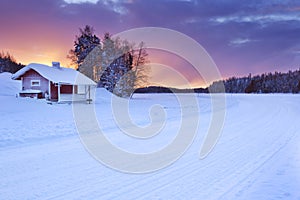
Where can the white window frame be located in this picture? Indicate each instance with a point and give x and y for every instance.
(37, 85)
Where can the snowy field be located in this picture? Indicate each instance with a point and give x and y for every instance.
(256, 157)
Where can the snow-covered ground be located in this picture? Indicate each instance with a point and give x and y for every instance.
(256, 157)
(8, 87)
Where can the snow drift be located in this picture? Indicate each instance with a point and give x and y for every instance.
(9, 87)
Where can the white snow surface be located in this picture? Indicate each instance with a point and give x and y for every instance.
(57, 75)
(8, 86)
(31, 91)
(257, 156)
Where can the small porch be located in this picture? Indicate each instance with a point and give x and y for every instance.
(65, 93)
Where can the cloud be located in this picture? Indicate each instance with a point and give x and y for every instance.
(114, 5)
(80, 1)
(262, 19)
(240, 41)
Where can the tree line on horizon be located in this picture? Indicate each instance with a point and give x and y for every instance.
(276, 82)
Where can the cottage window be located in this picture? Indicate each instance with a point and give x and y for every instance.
(35, 83)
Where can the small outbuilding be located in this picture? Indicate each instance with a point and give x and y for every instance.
(55, 83)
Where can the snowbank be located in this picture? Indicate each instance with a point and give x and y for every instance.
(9, 87)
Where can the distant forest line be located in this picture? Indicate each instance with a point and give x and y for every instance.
(276, 82)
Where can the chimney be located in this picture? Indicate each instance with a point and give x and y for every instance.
(56, 65)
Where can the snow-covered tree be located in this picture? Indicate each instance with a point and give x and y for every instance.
(83, 45)
(92, 64)
(117, 65)
(108, 71)
(123, 66)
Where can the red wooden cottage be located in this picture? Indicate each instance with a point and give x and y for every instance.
(54, 83)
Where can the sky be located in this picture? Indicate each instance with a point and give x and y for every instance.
(241, 36)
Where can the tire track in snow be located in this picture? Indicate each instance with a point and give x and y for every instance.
(285, 136)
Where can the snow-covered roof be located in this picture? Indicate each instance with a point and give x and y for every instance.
(58, 75)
